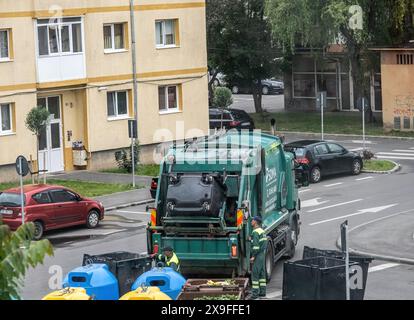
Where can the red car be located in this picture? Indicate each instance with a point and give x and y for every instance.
(49, 207)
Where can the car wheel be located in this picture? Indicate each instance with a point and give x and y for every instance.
(265, 90)
(235, 90)
(93, 219)
(269, 261)
(315, 175)
(356, 167)
(39, 229)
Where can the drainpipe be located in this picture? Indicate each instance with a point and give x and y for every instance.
(134, 77)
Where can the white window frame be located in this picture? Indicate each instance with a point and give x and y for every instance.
(60, 24)
(177, 94)
(112, 25)
(6, 132)
(2, 59)
(117, 116)
(163, 45)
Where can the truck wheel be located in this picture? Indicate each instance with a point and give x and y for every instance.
(292, 240)
(269, 261)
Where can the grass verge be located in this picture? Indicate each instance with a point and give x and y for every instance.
(87, 189)
(150, 170)
(334, 122)
(378, 165)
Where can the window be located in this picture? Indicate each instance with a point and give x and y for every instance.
(335, 148)
(321, 149)
(114, 36)
(5, 118)
(4, 45)
(63, 196)
(168, 98)
(42, 198)
(405, 58)
(166, 33)
(62, 36)
(117, 104)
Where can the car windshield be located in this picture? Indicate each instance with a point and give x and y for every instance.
(299, 152)
(10, 199)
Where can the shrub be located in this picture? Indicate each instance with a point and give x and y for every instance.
(223, 97)
(123, 158)
(367, 154)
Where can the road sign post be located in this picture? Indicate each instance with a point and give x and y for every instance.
(363, 105)
(22, 168)
(321, 102)
(133, 134)
(345, 249)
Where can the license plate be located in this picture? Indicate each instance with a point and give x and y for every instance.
(4, 211)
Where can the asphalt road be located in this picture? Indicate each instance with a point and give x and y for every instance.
(271, 103)
(360, 199)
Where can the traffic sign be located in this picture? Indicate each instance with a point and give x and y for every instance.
(321, 100)
(22, 166)
(362, 104)
(132, 129)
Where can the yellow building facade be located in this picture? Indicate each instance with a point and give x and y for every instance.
(74, 58)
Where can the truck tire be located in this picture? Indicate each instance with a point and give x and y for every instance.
(292, 239)
(269, 261)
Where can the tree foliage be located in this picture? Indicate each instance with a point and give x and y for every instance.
(36, 120)
(123, 157)
(17, 253)
(222, 98)
(239, 43)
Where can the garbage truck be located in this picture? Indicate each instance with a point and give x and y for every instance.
(208, 191)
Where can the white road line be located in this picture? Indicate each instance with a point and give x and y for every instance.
(361, 141)
(113, 232)
(383, 267)
(397, 158)
(335, 205)
(357, 149)
(403, 150)
(304, 190)
(134, 212)
(274, 294)
(333, 185)
(396, 154)
(313, 203)
(366, 178)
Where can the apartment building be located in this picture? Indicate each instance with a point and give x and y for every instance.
(74, 58)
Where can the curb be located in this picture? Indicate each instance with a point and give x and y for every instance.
(395, 169)
(126, 205)
(346, 135)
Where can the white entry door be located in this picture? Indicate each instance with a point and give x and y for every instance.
(50, 145)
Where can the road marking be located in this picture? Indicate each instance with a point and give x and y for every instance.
(333, 185)
(274, 294)
(398, 158)
(403, 150)
(383, 267)
(112, 232)
(396, 154)
(361, 142)
(312, 203)
(134, 212)
(357, 149)
(369, 210)
(366, 178)
(335, 205)
(304, 190)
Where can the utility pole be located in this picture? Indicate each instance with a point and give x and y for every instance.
(134, 77)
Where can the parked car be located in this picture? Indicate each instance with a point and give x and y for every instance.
(232, 119)
(49, 207)
(153, 188)
(325, 158)
(269, 86)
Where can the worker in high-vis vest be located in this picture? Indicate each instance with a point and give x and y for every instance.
(170, 259)
(258, 258)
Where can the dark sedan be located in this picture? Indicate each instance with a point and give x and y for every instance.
(230, 119)
(325, 158)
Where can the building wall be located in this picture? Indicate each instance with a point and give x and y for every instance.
(397, 91)
(84, 100)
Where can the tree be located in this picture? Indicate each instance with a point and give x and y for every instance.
(17, 253)
(223, 98)
(36, 121)
(315, 23)
(239, 43)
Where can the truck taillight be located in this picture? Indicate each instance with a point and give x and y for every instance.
(240, 216)
(153, 217)
(156, 248)
(234, 250)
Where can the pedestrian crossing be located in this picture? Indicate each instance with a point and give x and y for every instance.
(397, 154)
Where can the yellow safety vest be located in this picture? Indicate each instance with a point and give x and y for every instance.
(173, 259)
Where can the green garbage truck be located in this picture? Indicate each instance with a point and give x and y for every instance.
(208, 191)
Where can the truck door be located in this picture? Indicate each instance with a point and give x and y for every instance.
(270, 181)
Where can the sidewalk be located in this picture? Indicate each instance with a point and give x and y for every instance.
(390, 238)
(125, 199)
(95, 176)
